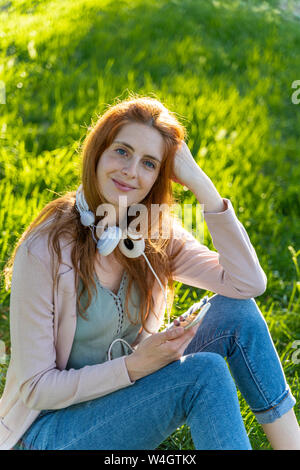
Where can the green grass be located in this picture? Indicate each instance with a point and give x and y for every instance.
(226, 68)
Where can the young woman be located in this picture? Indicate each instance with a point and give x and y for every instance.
(73, 382)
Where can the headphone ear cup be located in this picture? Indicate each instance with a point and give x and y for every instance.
(109, 240)
(132, 248)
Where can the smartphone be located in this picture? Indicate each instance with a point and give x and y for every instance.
(201, 307)
(203, 311)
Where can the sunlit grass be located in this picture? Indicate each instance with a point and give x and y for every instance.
(225, 68)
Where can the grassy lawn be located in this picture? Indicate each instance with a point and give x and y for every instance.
(225, 67)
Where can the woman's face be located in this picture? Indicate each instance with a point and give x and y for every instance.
(134, 159)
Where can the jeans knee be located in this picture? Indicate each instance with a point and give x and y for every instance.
(239, 312)
(211, 379)
(209, 363)
(250, 317)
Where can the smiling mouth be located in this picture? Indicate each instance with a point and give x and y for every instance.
(121, 185)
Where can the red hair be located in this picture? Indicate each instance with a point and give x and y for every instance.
(66, 219)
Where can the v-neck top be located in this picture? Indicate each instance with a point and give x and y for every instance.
(43, 319)
(106, 322)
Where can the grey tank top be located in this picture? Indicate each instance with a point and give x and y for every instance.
(106, 322)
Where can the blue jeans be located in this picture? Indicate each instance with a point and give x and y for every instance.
(197, 390)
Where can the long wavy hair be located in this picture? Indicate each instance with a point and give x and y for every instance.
(63, 219)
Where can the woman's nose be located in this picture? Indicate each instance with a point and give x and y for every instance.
(130, 168)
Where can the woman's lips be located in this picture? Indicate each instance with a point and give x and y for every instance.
(122, 187)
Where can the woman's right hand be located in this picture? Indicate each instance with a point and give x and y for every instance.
(159, 350)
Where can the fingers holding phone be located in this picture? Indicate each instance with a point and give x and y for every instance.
(160, 349)
(193, 317)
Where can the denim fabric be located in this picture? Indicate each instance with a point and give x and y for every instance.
(198, 390)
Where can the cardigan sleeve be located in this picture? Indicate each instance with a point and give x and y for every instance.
(233, 271)
(41, 384)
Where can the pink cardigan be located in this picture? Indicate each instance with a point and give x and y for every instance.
(43, 319)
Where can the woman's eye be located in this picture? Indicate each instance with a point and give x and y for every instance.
(153, 166)
(122, 150)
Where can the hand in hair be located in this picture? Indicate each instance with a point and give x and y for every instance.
(188, 173)
(184, 166)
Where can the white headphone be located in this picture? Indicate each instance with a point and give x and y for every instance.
(132, 246)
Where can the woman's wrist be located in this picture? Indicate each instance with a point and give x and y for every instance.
(131, 368)
(206, 193)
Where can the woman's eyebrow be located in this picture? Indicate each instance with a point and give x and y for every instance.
(131, 148)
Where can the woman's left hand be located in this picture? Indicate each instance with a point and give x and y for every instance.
(184, 166)
(188, 173)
